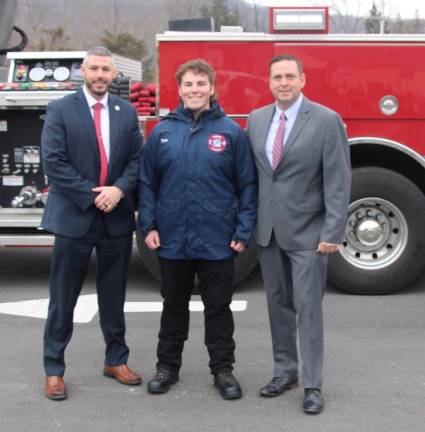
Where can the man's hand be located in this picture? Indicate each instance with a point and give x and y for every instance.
(325, 247)
(108, 198)
(152, 240)
(237, 246)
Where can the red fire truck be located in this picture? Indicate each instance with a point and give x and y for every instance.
(373, 81)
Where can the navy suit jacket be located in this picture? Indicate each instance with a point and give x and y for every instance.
(71, 162)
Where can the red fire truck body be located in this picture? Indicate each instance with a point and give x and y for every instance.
(375, 82)
(348, 74)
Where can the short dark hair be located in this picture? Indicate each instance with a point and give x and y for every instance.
(287, 57)
(198, 66)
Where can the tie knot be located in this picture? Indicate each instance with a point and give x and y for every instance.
(98, 106)
(282, 116)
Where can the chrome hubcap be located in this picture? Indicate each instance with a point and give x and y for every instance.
(376, 234)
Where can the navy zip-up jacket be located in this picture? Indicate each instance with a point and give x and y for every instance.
(198, 185)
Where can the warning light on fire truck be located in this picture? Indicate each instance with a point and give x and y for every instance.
(299, 20)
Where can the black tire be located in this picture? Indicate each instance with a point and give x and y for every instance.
(244, 262)
(384, 242)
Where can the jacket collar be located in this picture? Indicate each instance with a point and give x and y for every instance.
(92, 101)
(184, 114)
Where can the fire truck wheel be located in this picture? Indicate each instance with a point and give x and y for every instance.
(244, 262)
(384, 242)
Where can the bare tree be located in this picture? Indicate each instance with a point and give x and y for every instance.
(54, 39)
(414, 26)
(346, 19)
(255, 7)
(222, 13)
(184, 9)
(35, 22)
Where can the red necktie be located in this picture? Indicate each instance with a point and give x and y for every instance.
(103, 159)
(278, 141)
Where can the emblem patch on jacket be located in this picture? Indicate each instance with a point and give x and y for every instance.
(217, 143)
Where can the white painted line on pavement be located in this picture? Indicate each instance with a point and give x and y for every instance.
(239, 305)
(143, 307)
(87, 307)
(28, 308)
(194, 306)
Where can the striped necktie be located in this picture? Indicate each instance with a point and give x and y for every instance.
(278, 141)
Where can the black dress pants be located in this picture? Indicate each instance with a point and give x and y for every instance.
(70, 262)
(216, 289)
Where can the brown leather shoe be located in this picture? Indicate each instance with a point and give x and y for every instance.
(54, 388)
(123, 374)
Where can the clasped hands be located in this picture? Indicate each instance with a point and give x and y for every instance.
(108, 198)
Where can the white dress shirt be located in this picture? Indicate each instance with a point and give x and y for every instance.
(290, 114)
(104, 117)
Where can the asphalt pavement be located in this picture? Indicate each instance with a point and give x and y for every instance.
(374, 373)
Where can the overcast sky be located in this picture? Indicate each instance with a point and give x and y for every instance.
(406, 8)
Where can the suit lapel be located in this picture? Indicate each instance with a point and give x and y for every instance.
(265, 122)
(115, 115)
(83, 111)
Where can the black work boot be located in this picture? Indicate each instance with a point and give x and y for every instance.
(162, 381)
(227, 385)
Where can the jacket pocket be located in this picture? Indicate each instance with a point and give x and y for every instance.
(170, 220)
(218, 221)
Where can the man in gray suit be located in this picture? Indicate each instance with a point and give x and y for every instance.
(303, 164)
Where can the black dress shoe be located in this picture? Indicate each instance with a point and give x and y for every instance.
(162, 381)
(278, 385)
(227, 385)
(313, 401)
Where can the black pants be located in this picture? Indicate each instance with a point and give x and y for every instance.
(70, 260)
(216, 289)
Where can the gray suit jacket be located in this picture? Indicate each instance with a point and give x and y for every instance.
(304, 201)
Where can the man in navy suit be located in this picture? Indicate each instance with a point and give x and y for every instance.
(91, 146)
